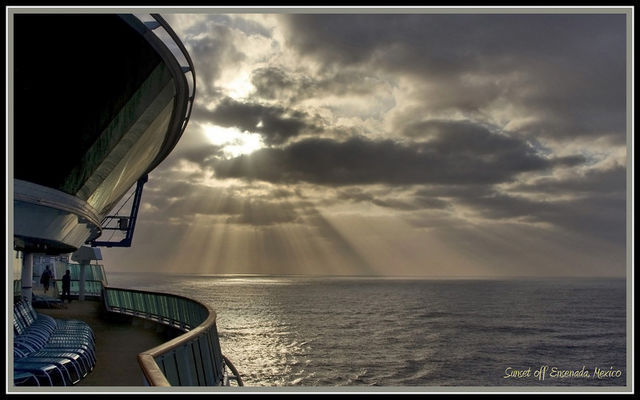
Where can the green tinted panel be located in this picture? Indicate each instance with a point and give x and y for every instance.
(199, 365)
(152, 303)
(168, 365)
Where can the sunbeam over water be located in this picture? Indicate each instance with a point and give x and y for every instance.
(342, 331)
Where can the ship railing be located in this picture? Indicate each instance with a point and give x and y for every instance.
(92, 288)
(95, 278)
(191, 359)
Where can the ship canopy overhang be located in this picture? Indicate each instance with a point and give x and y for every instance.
(99, 101)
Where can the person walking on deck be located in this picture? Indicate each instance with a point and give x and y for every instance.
(66, 286)
(45, 278)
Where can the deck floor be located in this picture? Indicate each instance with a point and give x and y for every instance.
(117, 343)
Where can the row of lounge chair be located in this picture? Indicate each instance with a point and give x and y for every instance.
(49, 351)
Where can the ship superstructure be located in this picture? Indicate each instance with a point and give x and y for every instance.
(99, 101)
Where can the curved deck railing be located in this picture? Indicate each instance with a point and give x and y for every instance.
(191, 359)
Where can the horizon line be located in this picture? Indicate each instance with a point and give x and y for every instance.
(477, 277)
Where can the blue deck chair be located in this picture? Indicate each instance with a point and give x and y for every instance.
(36, 373)
(25, 378)
(37, 333)
(42, 325)
(48, 370)
(80, 364)
(87, 354)
(27, 344)
(66, 366)
(45, 347)
(70, 371)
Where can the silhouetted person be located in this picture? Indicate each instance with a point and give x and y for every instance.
(45, 278)
(66, 286)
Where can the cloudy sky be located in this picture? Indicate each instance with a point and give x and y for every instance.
(397, 144)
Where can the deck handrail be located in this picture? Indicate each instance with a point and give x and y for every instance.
(93, 287)
(191, 359)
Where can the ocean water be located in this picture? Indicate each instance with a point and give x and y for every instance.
(338, 331)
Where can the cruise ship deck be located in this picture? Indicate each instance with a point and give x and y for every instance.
(118, 342)
(141, 338)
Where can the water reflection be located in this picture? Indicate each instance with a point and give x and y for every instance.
(283, 331)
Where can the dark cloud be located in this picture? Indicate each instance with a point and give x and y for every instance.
(388, 198)
(413, 204)
(593, 204)
(568, 71)
(608, 182)
(600, 217)
(276, 83)
(447, 158)
(436, 43)
(275, 124)
(465, 136)
(247, 26)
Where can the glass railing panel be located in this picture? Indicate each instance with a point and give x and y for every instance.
(137, 302)
(179, 316)
(146, 300)
(194, 315)
(188, 359)
(93, 272)
(112, 298)
(186, 365)
(91, 287)
(208, 366)
(183, 313)
(198, 362)
(212, 336)
(191, 316)
(170, 369)
(152, 304)
(127, 303)
(163, 307)
(96, 287)
(174, 314)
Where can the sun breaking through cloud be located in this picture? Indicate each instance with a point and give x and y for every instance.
(395, 144)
